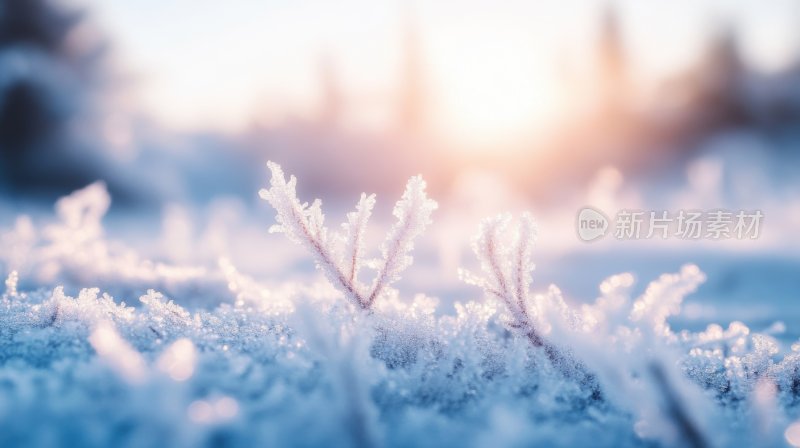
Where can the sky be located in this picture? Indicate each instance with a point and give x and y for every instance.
(490, 66)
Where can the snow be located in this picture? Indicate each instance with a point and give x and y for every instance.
(207, 355)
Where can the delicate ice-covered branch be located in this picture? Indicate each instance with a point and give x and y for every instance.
(413, 213)
(507, 276)
(305, 225)
(507, 269)
(355, 227)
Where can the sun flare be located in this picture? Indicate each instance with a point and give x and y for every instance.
(491, 94)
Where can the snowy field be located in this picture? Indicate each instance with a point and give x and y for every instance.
(162, 341)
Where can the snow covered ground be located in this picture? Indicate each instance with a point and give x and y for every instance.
(205, 330)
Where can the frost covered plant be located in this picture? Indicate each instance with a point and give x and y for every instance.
(75, 238)
(73, 250)
(628, 350)
(340, 256)
(507, 276)
(284, 365)
(641, 359)
(80, 214)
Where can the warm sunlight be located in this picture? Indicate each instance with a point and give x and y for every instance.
(493, 92)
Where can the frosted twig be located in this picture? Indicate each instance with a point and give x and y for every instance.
(304, 225)
(355, 227)
(413, 213)
(506, 269)
(507, 276)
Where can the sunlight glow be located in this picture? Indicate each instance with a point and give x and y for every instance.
(490, 74)
(493, 90)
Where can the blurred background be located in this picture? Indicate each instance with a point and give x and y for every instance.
(539, 105)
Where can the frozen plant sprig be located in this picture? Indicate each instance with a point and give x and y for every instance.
(340, 257)
(507, 277)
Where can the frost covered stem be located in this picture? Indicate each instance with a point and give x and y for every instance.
(491, 252)
(391, 259)
(517, 308)
(691, 434)
(304, 225)
(566, 364)
(352, 274)
(516, 305)
(553, 354)
(507, 276)
(522, 266)
(326, 259)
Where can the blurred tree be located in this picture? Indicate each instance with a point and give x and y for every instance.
(331, 106)
(49, 66)
(613, 75)
(412, 95)
(719, 85)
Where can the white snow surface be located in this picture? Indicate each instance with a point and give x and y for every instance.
(102, 346)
